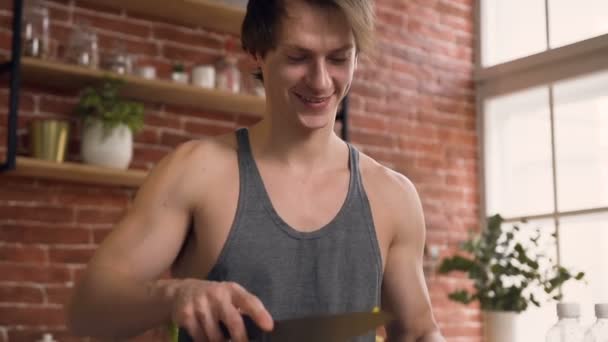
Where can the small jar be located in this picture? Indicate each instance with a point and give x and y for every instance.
(119, 61)
(35, 30)
(204, 76)
(228, 75)
(83, 47)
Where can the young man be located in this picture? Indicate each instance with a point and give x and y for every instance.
(279, 221)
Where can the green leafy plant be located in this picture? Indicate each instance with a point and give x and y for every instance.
(104, 103)
(508, 269)
(179, 67)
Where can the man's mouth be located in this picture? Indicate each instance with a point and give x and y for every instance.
(313, 100)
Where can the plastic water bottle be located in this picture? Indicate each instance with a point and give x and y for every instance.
(568, 327)
(599, 330)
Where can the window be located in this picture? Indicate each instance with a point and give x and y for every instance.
(542, 82)
(512, 29)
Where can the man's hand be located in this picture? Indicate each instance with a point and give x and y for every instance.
(198, 306)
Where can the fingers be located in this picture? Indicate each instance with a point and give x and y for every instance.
(201, 307)
(209, 324)
(251, 305)
(186, 318)
(233, 321)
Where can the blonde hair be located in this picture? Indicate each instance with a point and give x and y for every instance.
(262, 22)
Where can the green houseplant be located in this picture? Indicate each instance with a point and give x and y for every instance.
(109, 123)
(509, 272)
(506, 270)
(104, 103)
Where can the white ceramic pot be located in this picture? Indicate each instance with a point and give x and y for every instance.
(114, 149)
(499, 326)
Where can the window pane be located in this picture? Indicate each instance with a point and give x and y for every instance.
(582, 241)
(572, 21)
(517, 144)
(512, 29)
(581, 140)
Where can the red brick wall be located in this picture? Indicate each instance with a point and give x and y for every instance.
(412, 109)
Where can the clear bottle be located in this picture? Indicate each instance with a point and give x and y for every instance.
(598, 332)
(568, 327)
(228, 75)
(35, 30)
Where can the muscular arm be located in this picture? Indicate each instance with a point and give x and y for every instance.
(404, 288)
(119, 294)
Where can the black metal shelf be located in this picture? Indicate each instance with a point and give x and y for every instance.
(13, 67)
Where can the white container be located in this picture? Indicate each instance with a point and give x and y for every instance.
(568, 327)
(110, 149)
(499, 326)
(203, 76)
(147, 71)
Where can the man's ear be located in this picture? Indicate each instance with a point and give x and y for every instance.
(356, 61)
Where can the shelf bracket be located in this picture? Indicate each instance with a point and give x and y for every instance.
(13, 67)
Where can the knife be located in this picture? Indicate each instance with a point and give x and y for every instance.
(318, 328)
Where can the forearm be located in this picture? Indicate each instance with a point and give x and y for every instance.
(117, 306)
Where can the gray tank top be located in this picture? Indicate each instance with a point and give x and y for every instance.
(335, 269)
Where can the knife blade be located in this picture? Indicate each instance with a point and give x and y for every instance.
(326, 328)
(318, 328)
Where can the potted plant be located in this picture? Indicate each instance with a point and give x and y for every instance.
(178, 73)
(109, 123)
(509, 272)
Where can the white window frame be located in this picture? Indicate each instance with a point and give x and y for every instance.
(541, 69)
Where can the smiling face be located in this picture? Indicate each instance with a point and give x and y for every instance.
(311, 68)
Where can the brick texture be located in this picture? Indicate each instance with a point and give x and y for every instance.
(412, 108)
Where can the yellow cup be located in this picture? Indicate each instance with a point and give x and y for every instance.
(49, 139)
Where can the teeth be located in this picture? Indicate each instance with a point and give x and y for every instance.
(307, 99)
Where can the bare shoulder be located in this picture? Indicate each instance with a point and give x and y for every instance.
(393, 198)
(192, 164)
(390, 184)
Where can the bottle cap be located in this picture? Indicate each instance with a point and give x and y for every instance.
(568, 310)
(601, 310)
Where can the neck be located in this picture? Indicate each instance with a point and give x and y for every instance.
(295, 146)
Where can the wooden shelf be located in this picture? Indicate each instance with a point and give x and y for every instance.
(204, 13)
(75, 172)
(76, 77)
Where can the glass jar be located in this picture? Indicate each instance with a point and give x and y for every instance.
(83, 46)
(228, 75)
(119, 60)
(35, 30)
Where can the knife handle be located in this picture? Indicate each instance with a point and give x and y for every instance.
(253, 331)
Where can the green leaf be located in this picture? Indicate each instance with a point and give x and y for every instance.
(461, 296)
(104, 103)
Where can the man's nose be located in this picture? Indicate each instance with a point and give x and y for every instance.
(318, 77)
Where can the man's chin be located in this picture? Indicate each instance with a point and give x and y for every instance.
(314, 121)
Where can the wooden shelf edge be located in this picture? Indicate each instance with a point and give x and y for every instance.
(204, 13)
(78, 173)
(73, 76)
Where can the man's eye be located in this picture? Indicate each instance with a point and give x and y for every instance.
(339, 60)
(296, 59)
